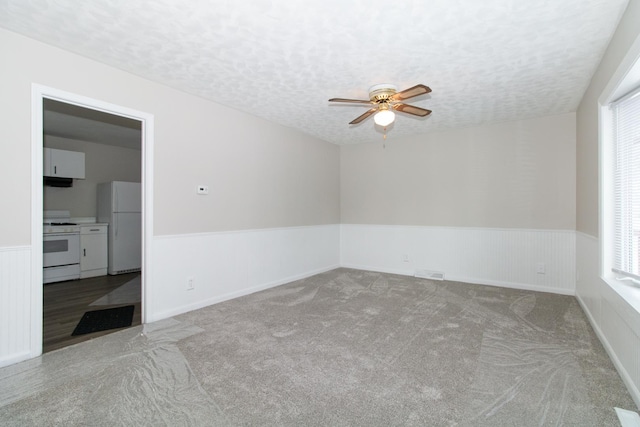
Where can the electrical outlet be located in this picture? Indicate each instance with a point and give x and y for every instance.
(405, 258)
(190, 285)
(540, 268)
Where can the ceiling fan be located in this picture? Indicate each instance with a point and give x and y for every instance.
(384, 98)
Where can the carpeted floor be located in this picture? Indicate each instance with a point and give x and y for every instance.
(343, 348)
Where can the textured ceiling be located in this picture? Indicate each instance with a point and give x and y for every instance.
(486, 61)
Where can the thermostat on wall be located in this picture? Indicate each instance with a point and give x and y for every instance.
(202, 189)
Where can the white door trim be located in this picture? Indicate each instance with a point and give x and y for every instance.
(38, 93)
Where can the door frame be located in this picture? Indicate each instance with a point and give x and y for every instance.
(38, 94)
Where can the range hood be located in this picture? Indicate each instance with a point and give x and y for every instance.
(52, 181)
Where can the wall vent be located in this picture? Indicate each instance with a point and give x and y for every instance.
(428, 274)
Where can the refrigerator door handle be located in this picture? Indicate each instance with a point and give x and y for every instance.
(115, 198)
(115, 224)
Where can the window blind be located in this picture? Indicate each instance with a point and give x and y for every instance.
(626, 136)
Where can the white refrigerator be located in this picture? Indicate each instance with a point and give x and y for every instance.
(119, 204)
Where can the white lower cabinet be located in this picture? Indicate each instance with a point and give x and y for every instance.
(93, 250)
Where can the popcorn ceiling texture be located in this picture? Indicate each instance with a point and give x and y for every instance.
(489, 61)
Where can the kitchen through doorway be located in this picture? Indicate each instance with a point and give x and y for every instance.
(92, 199)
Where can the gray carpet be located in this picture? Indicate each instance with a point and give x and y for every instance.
(343, 348)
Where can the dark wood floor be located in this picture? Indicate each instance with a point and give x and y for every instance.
(65, 302)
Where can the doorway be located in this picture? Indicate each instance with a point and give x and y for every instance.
(45, 101)
(100, 151)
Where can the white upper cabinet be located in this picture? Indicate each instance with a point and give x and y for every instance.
(63, 164)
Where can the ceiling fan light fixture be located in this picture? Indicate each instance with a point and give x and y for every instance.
(384, 117)
(385, 98)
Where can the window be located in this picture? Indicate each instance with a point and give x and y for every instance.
(626, 185)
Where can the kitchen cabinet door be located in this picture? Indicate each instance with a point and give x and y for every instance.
(63, 163)
(93, 251)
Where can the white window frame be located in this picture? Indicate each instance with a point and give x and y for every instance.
(624, 80)
(633, 96)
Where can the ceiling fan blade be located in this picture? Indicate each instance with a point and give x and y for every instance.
(411, 109)
(362, 117)
(355, 101)
(410, 93)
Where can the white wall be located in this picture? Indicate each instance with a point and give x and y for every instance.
(262, 176)
(15, 295)
(614, 320)
(227, 265)
(587, 190)
(491, 256)
(483, 205)
(103, 163)
(517, 174)
(613, 312)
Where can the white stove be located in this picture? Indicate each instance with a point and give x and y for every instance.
(60, 248)
(58, 222)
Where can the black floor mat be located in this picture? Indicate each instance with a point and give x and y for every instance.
(101, 320)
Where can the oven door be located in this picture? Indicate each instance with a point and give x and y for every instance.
(60, 249)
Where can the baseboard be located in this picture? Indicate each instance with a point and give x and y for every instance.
(397, 271)
(512, 285)
(473, 280)
(15, 358)
(241, 293)
(626, 378)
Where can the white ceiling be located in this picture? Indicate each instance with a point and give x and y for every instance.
(486, 61)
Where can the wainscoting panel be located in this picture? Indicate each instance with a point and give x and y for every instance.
(227, 265)
(615, 321)
(588, 275)
(500, 257)
(15, 304)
